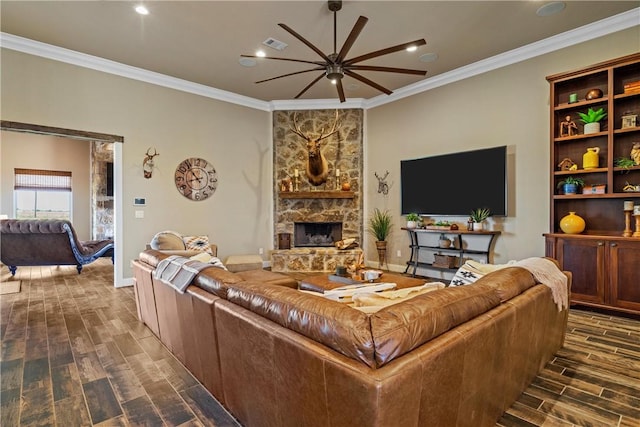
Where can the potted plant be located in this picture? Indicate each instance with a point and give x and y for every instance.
(592, 119)
(380, 227)
(570, 185)
(413, 220)
(478, 216)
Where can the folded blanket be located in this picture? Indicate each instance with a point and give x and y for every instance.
(370, 302)
(547, 273)
(178, 272)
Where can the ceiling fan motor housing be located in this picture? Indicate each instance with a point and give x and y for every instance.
(334, 5)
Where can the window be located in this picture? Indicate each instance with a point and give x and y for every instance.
(42, 194)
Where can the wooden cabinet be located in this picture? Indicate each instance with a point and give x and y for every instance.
(605, 270)
(605, 265)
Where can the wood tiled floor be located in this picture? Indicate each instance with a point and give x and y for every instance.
(74, 354)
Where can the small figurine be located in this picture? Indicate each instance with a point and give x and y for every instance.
(286, 185)
(635, 153)
(566, 164)
(568, 127)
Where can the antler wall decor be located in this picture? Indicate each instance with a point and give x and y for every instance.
(317, 168)
(383, 187)
(147, 163)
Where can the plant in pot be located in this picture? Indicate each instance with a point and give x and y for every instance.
(570, 185)
(592, 119)
(478, 216)
(413, 220)
(380, 225)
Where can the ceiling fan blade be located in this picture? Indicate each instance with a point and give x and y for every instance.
(386, 69)
(283, 59)
(291, 74)
(308, 86)
(386, 51)
(353, 35)
(368, 82)
(340, 90)
(305, 41)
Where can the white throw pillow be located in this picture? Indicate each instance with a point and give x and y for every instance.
(208, 259)
(472, 270)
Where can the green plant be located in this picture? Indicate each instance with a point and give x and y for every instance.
(413, 217)
(480, 214)
(592, 116)
(624, 162)
(380, 224)
(571, 180)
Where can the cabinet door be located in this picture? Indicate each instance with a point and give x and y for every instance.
(624, 274)
(585, 259)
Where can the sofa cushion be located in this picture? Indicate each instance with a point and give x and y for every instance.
(266, 276)
(508, 282)
(399, 328)
(216, 281)
(333, 324)
(167, 240)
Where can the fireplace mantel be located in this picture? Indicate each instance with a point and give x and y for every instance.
(317, 194)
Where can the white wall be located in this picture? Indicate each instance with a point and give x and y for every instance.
(508, 106)
(179, 125)
(22, 150)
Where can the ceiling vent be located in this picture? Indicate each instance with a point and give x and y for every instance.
(275, 44)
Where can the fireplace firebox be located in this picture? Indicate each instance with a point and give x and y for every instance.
(315, 234)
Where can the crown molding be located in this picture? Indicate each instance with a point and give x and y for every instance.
(32, 47)
(317, 104)
(587, 32)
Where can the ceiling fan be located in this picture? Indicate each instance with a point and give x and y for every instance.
(335, 65)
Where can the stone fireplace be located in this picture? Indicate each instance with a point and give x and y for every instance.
(323, 204)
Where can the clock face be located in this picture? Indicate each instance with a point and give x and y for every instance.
(196, 179)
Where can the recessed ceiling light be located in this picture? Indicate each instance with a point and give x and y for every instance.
(551, 8)
(260, 53)
(142, 10)
(247, 62)
(412, 48)
(429, 57)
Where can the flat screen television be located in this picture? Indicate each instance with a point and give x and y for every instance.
(454, 184)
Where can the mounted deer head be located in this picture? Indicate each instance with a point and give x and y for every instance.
(317, 167)
(147, 163)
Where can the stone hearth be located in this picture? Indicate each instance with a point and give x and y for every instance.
(320, 260)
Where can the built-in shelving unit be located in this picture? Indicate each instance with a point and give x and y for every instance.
(603, 262)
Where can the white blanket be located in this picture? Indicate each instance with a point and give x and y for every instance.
(178, 272)
(547, 273)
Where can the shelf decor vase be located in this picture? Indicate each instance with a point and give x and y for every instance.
(572, 224)
(591, 128)
(381, 247)
(590, 158)
(478, 226)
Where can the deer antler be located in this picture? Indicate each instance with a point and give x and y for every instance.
(296, 129)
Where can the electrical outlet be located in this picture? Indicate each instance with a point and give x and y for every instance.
(398, 254)
(261, 251)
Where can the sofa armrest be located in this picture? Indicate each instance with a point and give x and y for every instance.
(185, 253)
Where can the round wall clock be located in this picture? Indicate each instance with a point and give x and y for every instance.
(196, 179)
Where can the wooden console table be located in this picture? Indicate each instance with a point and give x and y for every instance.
(458, 247)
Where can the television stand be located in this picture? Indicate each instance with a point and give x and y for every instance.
(424, 240)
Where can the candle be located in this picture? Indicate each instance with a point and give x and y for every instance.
(628, 205)
(573, 98)
(295, 173)
(337, 172)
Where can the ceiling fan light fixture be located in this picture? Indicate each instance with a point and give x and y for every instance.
(334, 72)
(142, 10)
(260, 53)
(412, 48)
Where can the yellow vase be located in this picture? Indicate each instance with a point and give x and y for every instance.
(572, 224)
(590, 158)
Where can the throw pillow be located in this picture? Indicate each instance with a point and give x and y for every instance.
(473, 270)
(167, 241)
(197, 243)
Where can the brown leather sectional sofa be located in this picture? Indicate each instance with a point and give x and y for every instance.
(275, 356)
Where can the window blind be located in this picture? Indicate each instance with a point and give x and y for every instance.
(43, 180)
